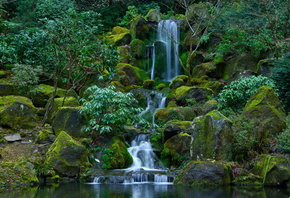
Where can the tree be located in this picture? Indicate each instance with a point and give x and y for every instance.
(108, 111)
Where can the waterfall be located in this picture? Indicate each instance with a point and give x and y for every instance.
(168, 35)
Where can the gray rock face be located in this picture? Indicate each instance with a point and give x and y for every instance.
(12, 137)
(173, 127)
(211, 137)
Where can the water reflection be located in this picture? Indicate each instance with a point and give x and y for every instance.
(143, 191)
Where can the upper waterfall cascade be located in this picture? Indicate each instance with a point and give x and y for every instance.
(168, 35)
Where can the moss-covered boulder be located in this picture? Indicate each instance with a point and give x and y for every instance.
(211, 137)
(204, 82)
(265, 107)
(184, 93)
(137, 48)
(148, 84)
(131, 75)
(70, 120)
(124, 54)
(119, 36)
(174, 127)
(240, 65)
(174, 113)
(17, 112)
(176, 150)
(61, 102)
(210, 69)
(116, 155)
(209, 106)
(178, 81)
(45, 136)
(153, 15)
(17, 173)
(274, 170)
(205, 173)
(66, 156)
(42, 93)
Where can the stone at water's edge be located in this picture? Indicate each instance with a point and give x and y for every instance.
(274, 170)
(211, 137)
(67, 157)
(17, 173)
(12, 137)
(205, 173)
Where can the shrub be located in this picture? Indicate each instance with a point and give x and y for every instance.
(108, 111)
(235, 95)
(284, 138)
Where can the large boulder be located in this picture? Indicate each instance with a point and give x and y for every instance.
(70, 120)
(154, 15)
(199, 94)
(140, 28)
(174, 113)
(210, 69)
(174, 127)
(18, 173)
(17, 112)
(131, 75)
(274, 170)
(205, 173)
(176, 150)
(66, 156)
(211, 137)
(265, 107)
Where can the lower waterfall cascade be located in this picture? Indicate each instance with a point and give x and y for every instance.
(146, 168)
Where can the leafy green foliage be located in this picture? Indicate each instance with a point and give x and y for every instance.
(244, 138)
(108, 111)
(281, 76)
(284, 138)
(235, 95)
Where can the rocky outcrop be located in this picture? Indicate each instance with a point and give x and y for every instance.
(131, 75)
(176, 150)
(174, 127)
(17, 112)
(174, 113)
(184, 93)
(119, 36)
(205, 173)
(265, 107)
(66, 156)
(70, 120)
(116, 155)
(211, 137)
(44, 92)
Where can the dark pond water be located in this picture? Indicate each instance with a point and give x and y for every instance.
(143, 191)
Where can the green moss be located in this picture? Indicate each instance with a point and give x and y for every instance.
(66, 156)
(17, 173)
(182, 91)
(160, 86)
(138, 48)
(68, 101)
(135, 75)
(176, 150)
(17, 112)
(116, 155)
(119, 36)
(120, 30)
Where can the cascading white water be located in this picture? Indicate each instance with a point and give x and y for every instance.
(168, 34)
(142, 153)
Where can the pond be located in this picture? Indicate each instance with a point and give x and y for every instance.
(148, 190)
